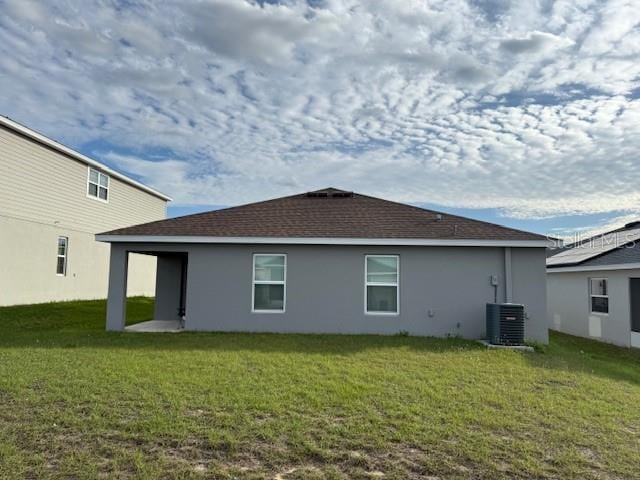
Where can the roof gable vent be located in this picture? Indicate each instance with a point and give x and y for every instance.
(329, 193)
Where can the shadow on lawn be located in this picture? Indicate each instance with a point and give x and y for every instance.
(81, 325)
(567, 353)
(231, 341)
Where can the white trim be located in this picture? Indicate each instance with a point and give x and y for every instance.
(594, 268)
(98, 186)
(255, 282)
(27, 132)
(64, 256)
(320, 241)
(635, 339)
(597, 295)
(367, 284)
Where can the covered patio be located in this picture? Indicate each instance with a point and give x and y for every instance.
(170, 291)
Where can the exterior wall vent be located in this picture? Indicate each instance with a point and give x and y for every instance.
(329, 194)
(505, 324)
(342, 194)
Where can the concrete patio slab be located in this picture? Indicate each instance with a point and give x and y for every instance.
(522, 348)
(156, 326)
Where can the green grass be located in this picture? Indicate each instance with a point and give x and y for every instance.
(77, 402)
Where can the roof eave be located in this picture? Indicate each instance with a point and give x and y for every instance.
(37, 137)
(593, 268)
(320, 241)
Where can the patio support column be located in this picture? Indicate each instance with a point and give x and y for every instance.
(117, 296)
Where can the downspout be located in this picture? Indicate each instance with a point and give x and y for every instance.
(508, 284)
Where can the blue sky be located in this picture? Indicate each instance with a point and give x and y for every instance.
(520, 113)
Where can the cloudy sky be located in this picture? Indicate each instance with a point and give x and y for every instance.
(524, 113)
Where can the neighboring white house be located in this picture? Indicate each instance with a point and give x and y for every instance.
(593, 287)
(53, 201)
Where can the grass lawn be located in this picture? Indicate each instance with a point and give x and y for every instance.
(77, 402)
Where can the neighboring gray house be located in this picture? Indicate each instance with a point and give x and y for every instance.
(53, 200)
(332, 261)
(593, 287)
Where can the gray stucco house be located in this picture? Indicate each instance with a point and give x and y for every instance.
(593, 287)
(332, 261)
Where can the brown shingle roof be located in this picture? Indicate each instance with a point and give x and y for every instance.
(328, 213)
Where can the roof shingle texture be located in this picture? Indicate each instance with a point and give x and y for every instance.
(328, 213)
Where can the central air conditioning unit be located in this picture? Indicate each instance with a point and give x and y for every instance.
(505, 324)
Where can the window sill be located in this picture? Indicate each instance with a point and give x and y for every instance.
(267, 311)
(97, 198)
(383, 314)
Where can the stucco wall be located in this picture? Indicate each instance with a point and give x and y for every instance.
(569, 309)
(528, 278)
(168, 282)
(28, 265)
(325, 289)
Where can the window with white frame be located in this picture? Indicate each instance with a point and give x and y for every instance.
(98, 185)
(269, 282)
(61, 261)
(382, 284)
(599, 293)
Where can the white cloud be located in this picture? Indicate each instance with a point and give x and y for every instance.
(534, 42)
(498, 106)
(575, 234)
(239, 29)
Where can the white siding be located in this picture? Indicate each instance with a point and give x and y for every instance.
(39, 184)
(43, 195)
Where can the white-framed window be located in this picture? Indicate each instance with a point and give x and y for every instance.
(98, 185)
(269, 283)
(599, 295)
(61, 260)
(382, 284)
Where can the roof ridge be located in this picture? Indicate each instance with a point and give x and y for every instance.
(329, 216)
(259, 202)
(232, 207)
(437, 212)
